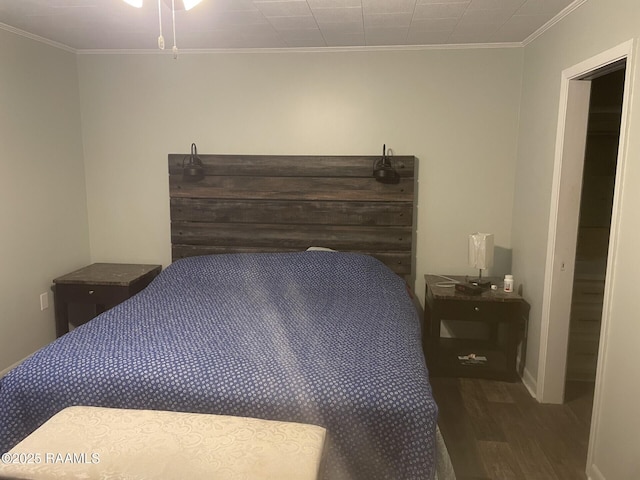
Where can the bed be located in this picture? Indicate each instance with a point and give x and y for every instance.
(326, 338)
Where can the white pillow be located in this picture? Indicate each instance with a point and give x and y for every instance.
(320, 249)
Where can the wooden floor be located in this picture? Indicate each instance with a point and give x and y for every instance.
(496, 430)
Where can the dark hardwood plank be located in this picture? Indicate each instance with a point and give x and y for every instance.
(527, 448)
(292, 188)
(456, 429)
(565, 443)
(292, 165)
(292, 236)
(497, 392)
(291, 212)
(482, 417)
(539, 442)
(499, 461)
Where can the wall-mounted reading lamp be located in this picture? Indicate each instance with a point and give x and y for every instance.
(383, 171)
(193, 170)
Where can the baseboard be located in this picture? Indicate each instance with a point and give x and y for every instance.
(593, 473)
(530, 383)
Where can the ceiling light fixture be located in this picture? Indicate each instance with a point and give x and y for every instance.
(189, 4)
(186, 4)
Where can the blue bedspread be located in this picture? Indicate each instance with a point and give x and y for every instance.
(325, 338)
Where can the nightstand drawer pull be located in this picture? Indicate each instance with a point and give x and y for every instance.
(477, 309)
(91, 292)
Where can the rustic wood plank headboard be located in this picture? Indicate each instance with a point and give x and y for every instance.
(255, 203)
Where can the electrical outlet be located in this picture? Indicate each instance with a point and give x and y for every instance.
(44, 301)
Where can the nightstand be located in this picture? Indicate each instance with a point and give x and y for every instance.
(103, 285)
(487, 330)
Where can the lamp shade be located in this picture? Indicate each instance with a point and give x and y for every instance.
(189, 4)
(481, 250)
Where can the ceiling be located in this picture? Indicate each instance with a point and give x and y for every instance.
(229, 24)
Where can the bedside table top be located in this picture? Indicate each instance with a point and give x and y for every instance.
(121, 274)
(450, 293)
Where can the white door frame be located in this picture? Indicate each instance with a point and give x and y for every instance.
(562, 246)
(553, 336)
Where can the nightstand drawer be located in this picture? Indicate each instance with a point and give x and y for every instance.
(94, 294)
(470, 310)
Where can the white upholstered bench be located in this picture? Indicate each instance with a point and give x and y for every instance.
(93, 442)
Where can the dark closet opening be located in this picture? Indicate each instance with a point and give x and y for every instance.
(598, 182)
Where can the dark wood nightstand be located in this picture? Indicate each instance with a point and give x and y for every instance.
(494, 322)
(103, 285)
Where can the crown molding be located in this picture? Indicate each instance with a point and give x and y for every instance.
(386, 48)
(562, 14)
(37, 38)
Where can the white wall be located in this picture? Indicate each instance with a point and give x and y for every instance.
(456, 110)
(594, 27)
(42, 194)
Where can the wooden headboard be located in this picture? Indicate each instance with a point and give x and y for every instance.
(256, 203)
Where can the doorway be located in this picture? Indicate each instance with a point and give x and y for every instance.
(564, 225)
(594, 225)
